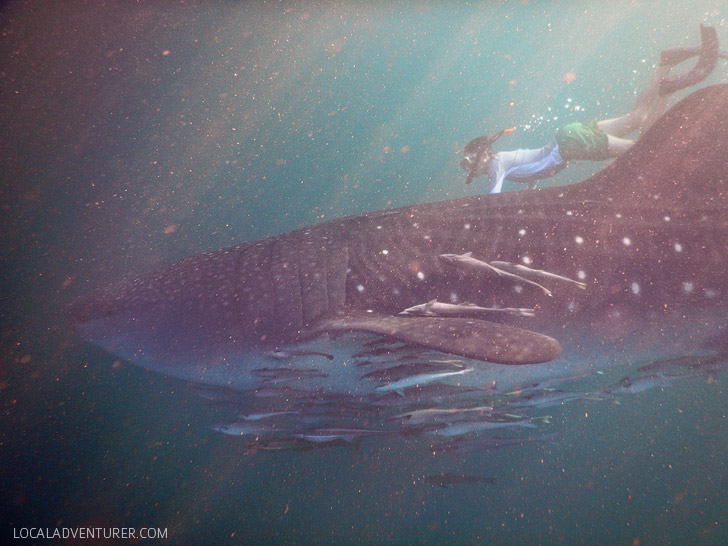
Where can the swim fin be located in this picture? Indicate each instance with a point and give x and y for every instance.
(709, 54)
(676, 55)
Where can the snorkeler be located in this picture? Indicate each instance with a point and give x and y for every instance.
(594, 140)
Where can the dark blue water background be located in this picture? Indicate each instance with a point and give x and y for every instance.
(134, 134)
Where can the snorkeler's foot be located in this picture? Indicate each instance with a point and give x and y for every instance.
(709, 54)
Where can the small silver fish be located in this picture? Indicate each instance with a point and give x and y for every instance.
(440, 415)
(419, 379)
(446, 479)
(330, 435)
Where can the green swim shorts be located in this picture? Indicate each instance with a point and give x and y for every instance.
(582, 141)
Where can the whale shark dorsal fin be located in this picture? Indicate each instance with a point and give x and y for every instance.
(477, 339)
(678, 162)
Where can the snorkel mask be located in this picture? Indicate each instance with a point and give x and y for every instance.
(475, 151)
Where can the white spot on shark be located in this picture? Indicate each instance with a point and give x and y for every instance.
(626, 241)
(385, 251)
(579, 239)
(688, 287)
(360, 287)
(521, 232)
(467, 226)
(678, 247)
(526, 260)
(454, 298)
(635, 288)
(581, 274)
(420, 275)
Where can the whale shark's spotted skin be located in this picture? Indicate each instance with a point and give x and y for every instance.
(647, 238)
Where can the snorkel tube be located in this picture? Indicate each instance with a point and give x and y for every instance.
(483, 148)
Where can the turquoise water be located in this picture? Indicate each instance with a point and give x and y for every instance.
(136, 135)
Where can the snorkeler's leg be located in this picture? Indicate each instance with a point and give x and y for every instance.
(647, 102)
(658, 108)
(617, 146)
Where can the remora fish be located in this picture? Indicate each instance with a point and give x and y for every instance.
(650, 230)
(435, 308)
(467, 261)
(523, 270)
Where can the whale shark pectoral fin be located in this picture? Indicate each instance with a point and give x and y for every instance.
(478, 339)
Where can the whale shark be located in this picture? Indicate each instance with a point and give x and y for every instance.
(644, 241)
